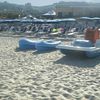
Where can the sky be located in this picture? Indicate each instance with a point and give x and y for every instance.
(43, 2)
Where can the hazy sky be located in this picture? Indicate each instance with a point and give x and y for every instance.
(42, 2)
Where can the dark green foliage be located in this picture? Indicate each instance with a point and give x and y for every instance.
(8, 10)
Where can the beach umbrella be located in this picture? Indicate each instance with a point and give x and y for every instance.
(9, 20)
(68, 20)
(85, 18)
(96, 18)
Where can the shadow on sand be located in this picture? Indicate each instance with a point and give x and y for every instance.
(40, 52)
(24, 50)
(78, 61)
(35, 52)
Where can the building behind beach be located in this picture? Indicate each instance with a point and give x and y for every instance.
(77, 9)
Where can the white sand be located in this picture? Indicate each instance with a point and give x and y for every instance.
(30, 75)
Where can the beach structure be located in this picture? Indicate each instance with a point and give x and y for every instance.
(50, 15)
(76, 9)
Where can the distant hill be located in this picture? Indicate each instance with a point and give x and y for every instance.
(8, 10)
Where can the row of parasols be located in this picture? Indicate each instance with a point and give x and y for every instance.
(47, 20)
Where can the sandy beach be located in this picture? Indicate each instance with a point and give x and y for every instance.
(32, 75)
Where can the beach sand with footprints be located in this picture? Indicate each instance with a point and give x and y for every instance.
(32, 75)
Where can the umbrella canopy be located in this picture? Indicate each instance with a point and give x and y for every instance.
(96, 18)
(85, 18)
(9, 20)
(68, 20)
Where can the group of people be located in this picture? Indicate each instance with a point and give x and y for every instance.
(37, 28)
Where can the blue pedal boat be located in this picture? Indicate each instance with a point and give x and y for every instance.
(47, 45)
(84, 47)
(25, 43)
